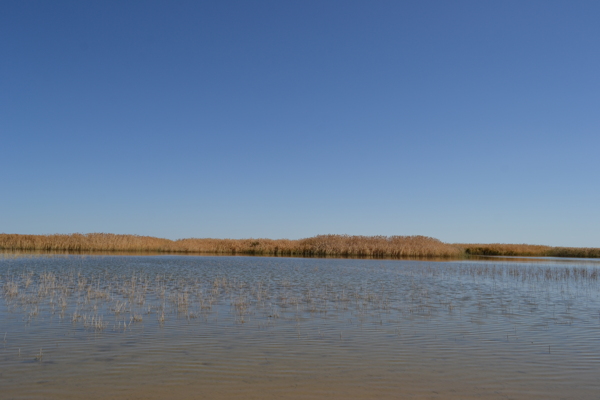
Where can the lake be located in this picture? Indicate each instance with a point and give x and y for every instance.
(154, 327)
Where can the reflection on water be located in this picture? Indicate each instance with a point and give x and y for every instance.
(249, 327)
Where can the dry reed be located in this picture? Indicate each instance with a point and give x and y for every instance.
(319, 246)
(501, 249)
(322, 245)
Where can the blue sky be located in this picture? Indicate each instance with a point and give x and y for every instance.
(465, 121)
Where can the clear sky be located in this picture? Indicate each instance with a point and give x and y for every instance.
(468, 121)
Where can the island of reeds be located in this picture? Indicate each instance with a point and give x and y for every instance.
(317, 246)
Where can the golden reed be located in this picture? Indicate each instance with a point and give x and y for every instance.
(530, 250)
(322, 245)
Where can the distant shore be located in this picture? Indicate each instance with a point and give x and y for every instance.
(317, 246)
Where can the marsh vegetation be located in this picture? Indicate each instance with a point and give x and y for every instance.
(318, 246)
(323, 245)
(529, 250)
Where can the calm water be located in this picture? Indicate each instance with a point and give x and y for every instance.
(124, 327)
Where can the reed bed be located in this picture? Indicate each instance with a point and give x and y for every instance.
(528, 250)
(317, 246)
(322, 245)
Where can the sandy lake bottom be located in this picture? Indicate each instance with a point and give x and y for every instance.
(182, 327)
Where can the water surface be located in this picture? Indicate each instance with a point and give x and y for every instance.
(146, 327)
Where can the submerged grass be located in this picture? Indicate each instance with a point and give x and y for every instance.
(317, 246)
(99, 300)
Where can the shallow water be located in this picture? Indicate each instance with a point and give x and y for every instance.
(129, 327)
